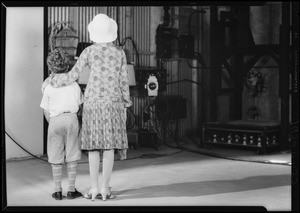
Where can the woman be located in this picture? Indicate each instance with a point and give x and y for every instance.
(106, 99)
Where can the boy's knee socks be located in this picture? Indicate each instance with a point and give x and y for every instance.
(57, 175)
(72, 172)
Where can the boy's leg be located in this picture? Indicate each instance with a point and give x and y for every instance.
(72, 172)
(73, 153)
(57, 175)
(55, 152)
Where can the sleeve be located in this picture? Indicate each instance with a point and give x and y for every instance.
(45, 101)
(60, 80)
(123, 81)
(45, 83)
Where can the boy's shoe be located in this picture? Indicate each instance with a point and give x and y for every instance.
(57, 195)
(73, 195)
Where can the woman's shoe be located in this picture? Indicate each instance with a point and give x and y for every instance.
(106, 193)
(91, 194)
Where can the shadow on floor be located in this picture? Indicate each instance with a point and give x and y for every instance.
(203, 188)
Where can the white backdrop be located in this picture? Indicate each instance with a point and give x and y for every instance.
(23, 79)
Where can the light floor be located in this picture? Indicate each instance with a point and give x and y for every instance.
(167, 177)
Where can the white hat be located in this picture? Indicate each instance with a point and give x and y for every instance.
(103, 29)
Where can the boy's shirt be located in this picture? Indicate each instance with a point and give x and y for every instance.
(62, 99)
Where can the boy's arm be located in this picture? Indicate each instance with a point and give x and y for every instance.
(46, 114)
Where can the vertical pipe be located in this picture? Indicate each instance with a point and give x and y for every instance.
(49, 16)
(146, 26)
(80, 23)
(148, 35)
(213, 63)
(120, 24)
(86, 11)
(46, 24)
(194, 97)
(64, 14)
(134, 31)
(200, 89)
(129, 28)
(295, 105)
(137, 40)
(63, 11)
(139, 30)
(58, 14)
(123, 23)
(54, 15)
(284, 74)
(143, 32)
(295, 60)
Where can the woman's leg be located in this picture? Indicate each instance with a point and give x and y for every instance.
(94, 163)
(107, 167)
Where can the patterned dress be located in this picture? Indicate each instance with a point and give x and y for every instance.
(106, 96)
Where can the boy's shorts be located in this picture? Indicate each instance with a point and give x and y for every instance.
(64, 144)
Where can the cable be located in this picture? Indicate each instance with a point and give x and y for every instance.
(118, 24)
(24, 149)
(151, 155)
(190, 18)
(238, 159)
(134, 46)
(188, 80)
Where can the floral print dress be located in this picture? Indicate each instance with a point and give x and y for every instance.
(106, 96)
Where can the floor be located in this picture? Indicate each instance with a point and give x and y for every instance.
(169, 177)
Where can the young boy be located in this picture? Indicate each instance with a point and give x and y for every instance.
(60, 109)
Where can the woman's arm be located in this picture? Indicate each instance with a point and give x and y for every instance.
(123, 81)
(59, 80)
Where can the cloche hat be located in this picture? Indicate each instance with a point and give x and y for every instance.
(103, 29)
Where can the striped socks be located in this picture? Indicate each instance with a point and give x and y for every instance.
(57, 175)
(72, 171)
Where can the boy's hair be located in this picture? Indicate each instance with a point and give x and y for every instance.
(58, 61)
